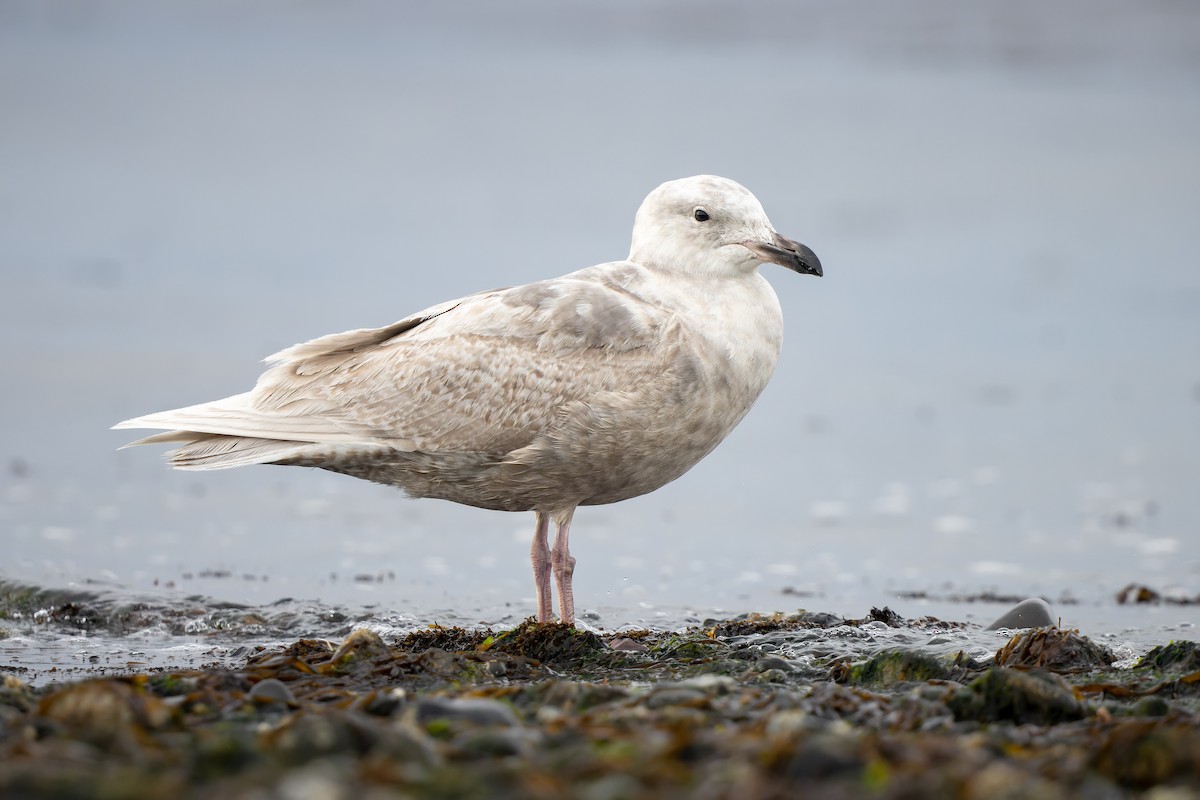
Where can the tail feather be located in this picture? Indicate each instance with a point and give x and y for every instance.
(236, 416)
(233, 433)
(209, 451)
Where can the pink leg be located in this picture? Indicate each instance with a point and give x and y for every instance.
(564, 567)
(539, 554)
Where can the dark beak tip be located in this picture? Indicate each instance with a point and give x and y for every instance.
(786, 253)
(809, 260)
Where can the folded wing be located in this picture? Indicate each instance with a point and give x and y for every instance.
(484, 374)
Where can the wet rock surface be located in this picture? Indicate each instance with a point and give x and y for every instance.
(724, 709)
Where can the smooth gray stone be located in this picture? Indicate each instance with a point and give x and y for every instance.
(474, 711)
(272, 690)
(1032, 613)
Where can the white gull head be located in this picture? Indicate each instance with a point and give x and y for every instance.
(713, 226)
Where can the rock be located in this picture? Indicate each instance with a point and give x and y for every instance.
(897, 666)
(611, 787)
(689, 647)
(623, 644)
(820, 755)
(304, 737)
(1032, 613)
(487, 743)
(1153, 706)
(321, 780)
(768, 676)
(1005, 781)
(1054, 649)
(886, 616)
(220, 753)
(272, 691)
(405, 744)
(575, 696)
(1019, 696)
(1145, 753)
(1183, 656)
(789, 723)
(15, 694)
(469, 710)
(382, 702)
(1135, 593)
(821, 619)
(109, 713)
(710, 684)
(773, 663)
(171, 685)
(361, 646)
(676, 696)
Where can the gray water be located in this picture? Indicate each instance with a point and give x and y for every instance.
(995, 388)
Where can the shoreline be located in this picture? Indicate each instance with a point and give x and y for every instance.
(723, 709)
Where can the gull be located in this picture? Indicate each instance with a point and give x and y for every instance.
(595, 387)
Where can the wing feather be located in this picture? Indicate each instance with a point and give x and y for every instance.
(483, 374)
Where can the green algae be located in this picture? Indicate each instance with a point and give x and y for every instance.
(1184, 656)
(897, 666)
(1005, 694)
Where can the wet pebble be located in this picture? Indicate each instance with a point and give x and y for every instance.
(15, 695)
(570, 695)
(773, 663)
(676, 696)
(821, 619)
(109, 713)
(382, 702)
(322, 780)
(468, 710)
(1003, 693)
(1153, 706)
(495, 743)
(711, 684)
(272, 690)
(769, 676)
(303, 737)
(623, 644)
(897, 666)
(1032, 613)
(1145, 753)
(360, 647)
(787, 724)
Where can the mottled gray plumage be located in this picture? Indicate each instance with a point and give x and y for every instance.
(595, 387)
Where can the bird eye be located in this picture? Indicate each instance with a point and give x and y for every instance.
(700, 214)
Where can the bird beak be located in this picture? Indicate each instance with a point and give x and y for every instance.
(786, 253)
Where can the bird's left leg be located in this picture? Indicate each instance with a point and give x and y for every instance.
(564, 566)
(539, 554)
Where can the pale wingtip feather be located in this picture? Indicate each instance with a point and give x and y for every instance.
(168, 436)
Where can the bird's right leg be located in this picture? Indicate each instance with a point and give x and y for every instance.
(539, 554)
(564, 567)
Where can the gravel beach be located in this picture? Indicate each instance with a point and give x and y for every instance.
(730, 708)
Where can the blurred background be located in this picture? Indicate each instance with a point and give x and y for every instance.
(994, 389)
